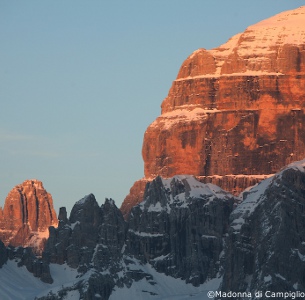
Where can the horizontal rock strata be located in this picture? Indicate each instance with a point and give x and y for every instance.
(237, 109)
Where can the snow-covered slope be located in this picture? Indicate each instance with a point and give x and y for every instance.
(255, 196)
(16, 283)
(179, 191)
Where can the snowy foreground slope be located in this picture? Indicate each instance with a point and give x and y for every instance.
(18, 283)
(183, 240)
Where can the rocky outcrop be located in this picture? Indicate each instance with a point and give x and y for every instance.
(90, 240)
(179, 227)
(75, 239)
(26, 257)
(233, 183)
(112, 236)
(27, 214)
(3, 254)
(135, 196)
(266, 245)
(236, 109)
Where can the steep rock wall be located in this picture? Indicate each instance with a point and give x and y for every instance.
(27, 214)
(237, 109)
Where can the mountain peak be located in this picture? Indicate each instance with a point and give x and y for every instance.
(26, 216)
(256, 51)
(86, 199)
(231, 116)
(284, 28)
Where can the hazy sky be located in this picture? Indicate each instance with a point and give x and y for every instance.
(80, 81)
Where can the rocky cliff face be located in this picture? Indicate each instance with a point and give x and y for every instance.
(134, 197)
(90, 240)
(236, 109)
(179, 227)
(265, 245)
(27, 214)
(178, 230)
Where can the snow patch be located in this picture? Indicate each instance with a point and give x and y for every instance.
(72, 295)
(246, 73)
(197, 189)
(267, 278)
(208, 236)
(181, 114)
(72, 226)
(180, 197)
(18, 283)
(280, 276)
(255, 195)
(297, 165)
(301, 256)
(145, 234)
(83, 200)
(252, 199)
(156, 208)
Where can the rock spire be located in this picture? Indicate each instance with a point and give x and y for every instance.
(27, 214)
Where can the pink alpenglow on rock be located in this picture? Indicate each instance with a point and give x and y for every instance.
(235, 110)
(27, 214)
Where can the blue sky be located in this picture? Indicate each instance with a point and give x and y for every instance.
(80, 81)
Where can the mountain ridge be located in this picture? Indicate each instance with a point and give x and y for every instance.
(184, 233)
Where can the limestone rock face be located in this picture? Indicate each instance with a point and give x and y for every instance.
(90, 240)
(75, 238)
(265, 246)
(134, 197)
(179, 227)
(27, 214)
(236, 109)
(81, 240)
